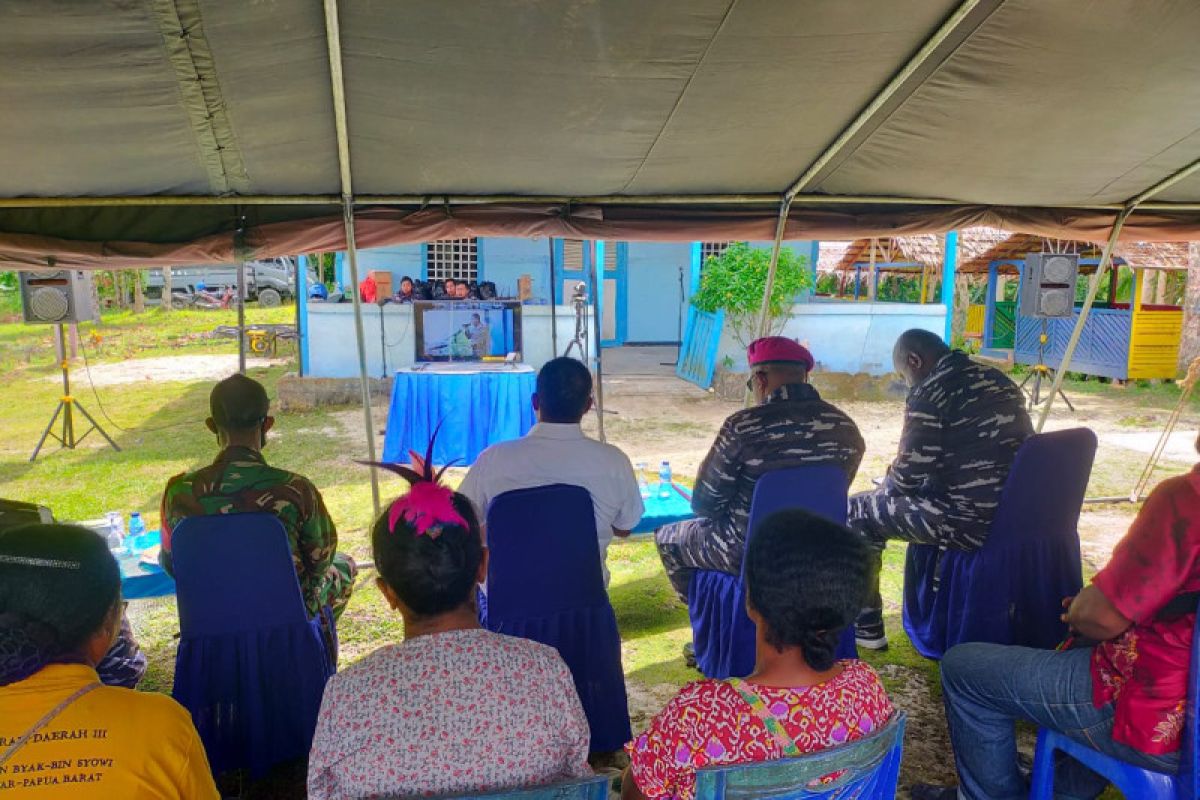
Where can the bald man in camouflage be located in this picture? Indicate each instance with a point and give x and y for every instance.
(963, 425)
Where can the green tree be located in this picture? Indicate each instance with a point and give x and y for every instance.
(735, 280)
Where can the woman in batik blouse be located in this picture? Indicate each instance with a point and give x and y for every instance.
(453, 709)
(806, 579)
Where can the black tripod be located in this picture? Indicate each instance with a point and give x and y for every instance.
(1042, 372)
(67, 405)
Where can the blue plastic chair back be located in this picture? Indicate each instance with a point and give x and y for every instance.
(1144, 784)
(595, 788)
(1009, 591)
(723, 635)
(251, 666)
(545, 583)
(868, 768)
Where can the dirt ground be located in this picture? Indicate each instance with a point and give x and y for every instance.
(653, 416)
(209, 367)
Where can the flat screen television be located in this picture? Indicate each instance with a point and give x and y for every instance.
(466, 330)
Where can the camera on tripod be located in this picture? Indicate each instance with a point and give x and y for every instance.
(579, 296)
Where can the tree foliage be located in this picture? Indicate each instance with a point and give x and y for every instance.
(735, 280)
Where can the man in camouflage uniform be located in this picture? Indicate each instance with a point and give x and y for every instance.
(241, 481)
(963, 425)
(791, 426)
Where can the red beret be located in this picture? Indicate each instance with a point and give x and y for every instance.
(779, 348)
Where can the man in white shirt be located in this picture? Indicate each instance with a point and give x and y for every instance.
(556, 451)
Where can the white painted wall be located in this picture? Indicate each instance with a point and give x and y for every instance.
(333, 354)
(849, 337)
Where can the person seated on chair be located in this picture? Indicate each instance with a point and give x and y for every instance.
(789, 426)
(1119, 686)
(405, 295)
(453, 709)
(124, 664)
(240, 480)
(556, 451)
(60, 609)
(963, 425)
(805, 580)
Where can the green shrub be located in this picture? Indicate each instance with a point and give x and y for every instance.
(735, 280)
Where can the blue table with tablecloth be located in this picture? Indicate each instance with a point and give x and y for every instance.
(476, 408)
(141, 576)
(674, 505)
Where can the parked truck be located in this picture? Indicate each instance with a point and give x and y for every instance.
(269, 281)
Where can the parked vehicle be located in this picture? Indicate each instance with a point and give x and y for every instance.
(269, 281)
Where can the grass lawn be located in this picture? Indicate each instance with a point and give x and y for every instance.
(159, 426)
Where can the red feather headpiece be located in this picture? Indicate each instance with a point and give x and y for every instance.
(427, 506)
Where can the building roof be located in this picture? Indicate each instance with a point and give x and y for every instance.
(979, 247)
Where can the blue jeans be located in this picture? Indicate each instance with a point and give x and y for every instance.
(987, 687)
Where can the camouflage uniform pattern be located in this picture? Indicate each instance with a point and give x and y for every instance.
(241, 481)
(963, 426)
(793, 428)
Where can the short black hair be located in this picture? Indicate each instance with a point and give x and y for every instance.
(58, 584)
(564, 387)
(431, 575)
(239, 403)
(807, 577)
(924, 343)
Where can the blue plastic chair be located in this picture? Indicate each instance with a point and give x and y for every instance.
(868, 768)
(1009, 591)
(545, 583)
(723, 634)
(1144, 784)
(595, 788)
(251, 666)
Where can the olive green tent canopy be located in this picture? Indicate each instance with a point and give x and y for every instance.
(153, 131)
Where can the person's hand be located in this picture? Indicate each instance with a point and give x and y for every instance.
(1066, 605)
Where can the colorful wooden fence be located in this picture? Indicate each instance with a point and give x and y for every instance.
(1154, 343)
(1103, 347)
(701, 341)
(975, 316)
(1004, 325)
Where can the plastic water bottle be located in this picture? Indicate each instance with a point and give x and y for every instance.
(643, 487)
(664, 480)
(137, 528)
(115, 538)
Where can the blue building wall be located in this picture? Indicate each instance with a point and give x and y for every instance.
(503, 261)
(654, 305)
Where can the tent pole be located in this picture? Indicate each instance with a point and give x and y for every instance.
(553, 300)
(1093, 289)
(334, 41)
(764, 316)
(241, 312)
(596, 343)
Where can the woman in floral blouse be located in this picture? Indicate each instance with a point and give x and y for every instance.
(806, 578)
(453, 709)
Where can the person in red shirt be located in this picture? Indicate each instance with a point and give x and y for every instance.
(1120, 684)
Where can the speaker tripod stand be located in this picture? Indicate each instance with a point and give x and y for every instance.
(1041, 372)
(67, 406)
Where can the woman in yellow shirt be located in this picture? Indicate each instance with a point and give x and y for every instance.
(62, 733)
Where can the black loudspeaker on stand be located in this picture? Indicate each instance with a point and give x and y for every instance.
(67, 406)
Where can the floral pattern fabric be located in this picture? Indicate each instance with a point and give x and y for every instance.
(462, 712)
(708, 724)
(1145, 670)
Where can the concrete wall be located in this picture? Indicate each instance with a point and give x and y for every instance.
(849, 337)
(400, 260)
(333, 353)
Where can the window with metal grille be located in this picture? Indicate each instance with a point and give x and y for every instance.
(712, 249)
(453, 258)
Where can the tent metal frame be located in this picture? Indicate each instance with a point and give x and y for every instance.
(334, 41)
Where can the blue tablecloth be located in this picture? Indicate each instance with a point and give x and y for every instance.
(139, 579)
(476, 409)
(676, 506)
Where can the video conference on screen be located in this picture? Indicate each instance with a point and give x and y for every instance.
(466, 330)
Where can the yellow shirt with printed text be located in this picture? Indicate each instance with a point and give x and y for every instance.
(110, 743)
